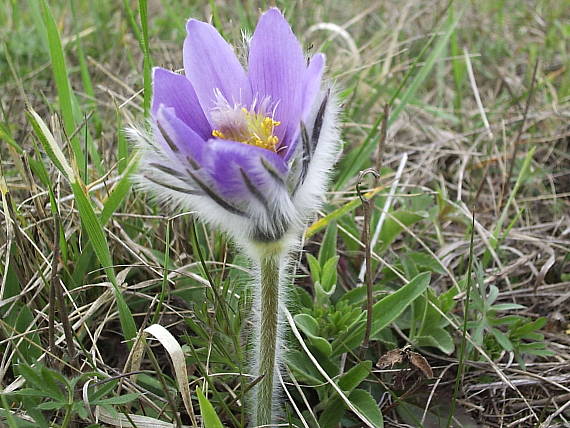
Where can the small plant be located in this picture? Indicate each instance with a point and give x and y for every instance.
(48, 395)
(250, 152)
(486, 327)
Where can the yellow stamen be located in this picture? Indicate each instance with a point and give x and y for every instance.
(218, 134)
(253, 128)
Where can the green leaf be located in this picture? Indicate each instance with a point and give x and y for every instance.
(30, 405)
(51, 405)
(438, 338)
(7, 413)
(366, 405)
(507, 307)
(305, 370)
(426, 261)
(30, 392)
(147, 62)
(121, 399)
(6, 135)
(328, 246)
(352, 378)
(314, 268)
(52, 381)
(21, 320)
(529, 327)
(391, 307)
(447, 301)
(502, 339)
(50, 145)
(308, 325)
(443, 339)
(331, 416)
(350, 338)
(79, 408)
(15, 421)
(328, 275)
(32, 376)
(394, 225)
(301, 298)
(535, 348)
(209, 416)
(355, 296)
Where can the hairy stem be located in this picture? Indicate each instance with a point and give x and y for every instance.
(269, 307)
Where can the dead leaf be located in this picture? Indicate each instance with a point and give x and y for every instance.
(390, 358)
(421, 363)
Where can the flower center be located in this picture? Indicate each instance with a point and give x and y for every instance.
(245, 126)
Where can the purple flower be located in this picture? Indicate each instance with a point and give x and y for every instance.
(248, 150)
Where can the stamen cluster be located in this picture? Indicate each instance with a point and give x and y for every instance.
(247, 127)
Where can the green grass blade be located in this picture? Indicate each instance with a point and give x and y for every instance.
(61, 80)
(356, 160)
(49, 144)
(458, 68)
(91, 222)
(119, 192)
(147, 62)
(461, 367)
(6, 135)
(99, 243)
(88, 86)
(11, 420)
(132, 21)
(209, 416)
(523, 175)
(122, 147)
(495, 238)
(323, 222)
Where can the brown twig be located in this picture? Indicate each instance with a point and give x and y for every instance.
(366, 205)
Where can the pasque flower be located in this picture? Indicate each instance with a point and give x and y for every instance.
(248, 149)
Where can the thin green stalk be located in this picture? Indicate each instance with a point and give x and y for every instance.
(164, 289)
(68, 413)
(461, 366)
(147, 62)
(269, 306)
(164, 386)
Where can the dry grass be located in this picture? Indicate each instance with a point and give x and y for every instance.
(466, 137)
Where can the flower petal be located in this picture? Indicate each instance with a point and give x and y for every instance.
(210, 64)
(254, 180)
(226, 159)
(174, 134)
(312, 84)
(176, 91)
(276, 70)
(311, 87)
